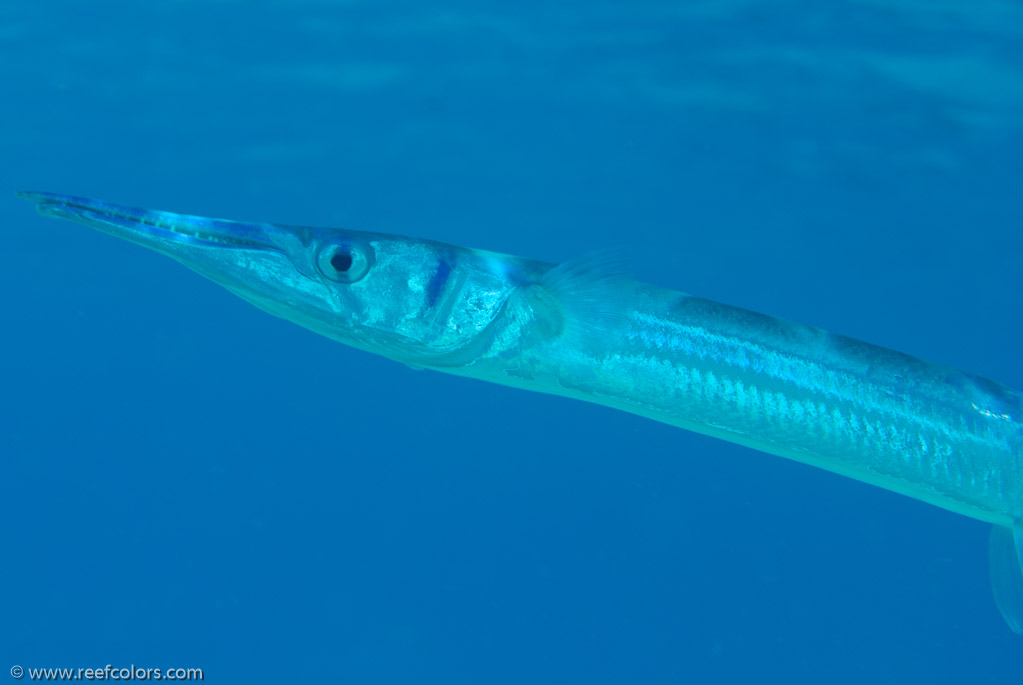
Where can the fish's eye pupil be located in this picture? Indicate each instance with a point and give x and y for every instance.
(341, 260)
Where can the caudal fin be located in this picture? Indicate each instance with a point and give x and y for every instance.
(1006, 552)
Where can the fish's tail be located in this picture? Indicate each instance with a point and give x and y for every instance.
(1006, 556)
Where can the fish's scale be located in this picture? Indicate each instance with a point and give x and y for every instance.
(922, 429)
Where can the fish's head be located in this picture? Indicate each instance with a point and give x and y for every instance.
(420, 302)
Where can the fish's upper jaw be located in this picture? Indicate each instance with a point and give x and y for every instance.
(146, 225)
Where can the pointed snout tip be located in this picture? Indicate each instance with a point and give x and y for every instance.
(33, 196)
(55, 205)
(40, 196)
(47, 201)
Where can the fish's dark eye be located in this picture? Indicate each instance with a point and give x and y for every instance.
(341, 261)
(344, 262)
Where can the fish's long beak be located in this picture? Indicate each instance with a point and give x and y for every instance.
(157, 230)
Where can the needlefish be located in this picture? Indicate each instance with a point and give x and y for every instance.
(583, 330)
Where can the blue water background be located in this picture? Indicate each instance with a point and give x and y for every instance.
(186, 481)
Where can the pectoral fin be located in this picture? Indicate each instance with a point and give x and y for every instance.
(582, 299)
